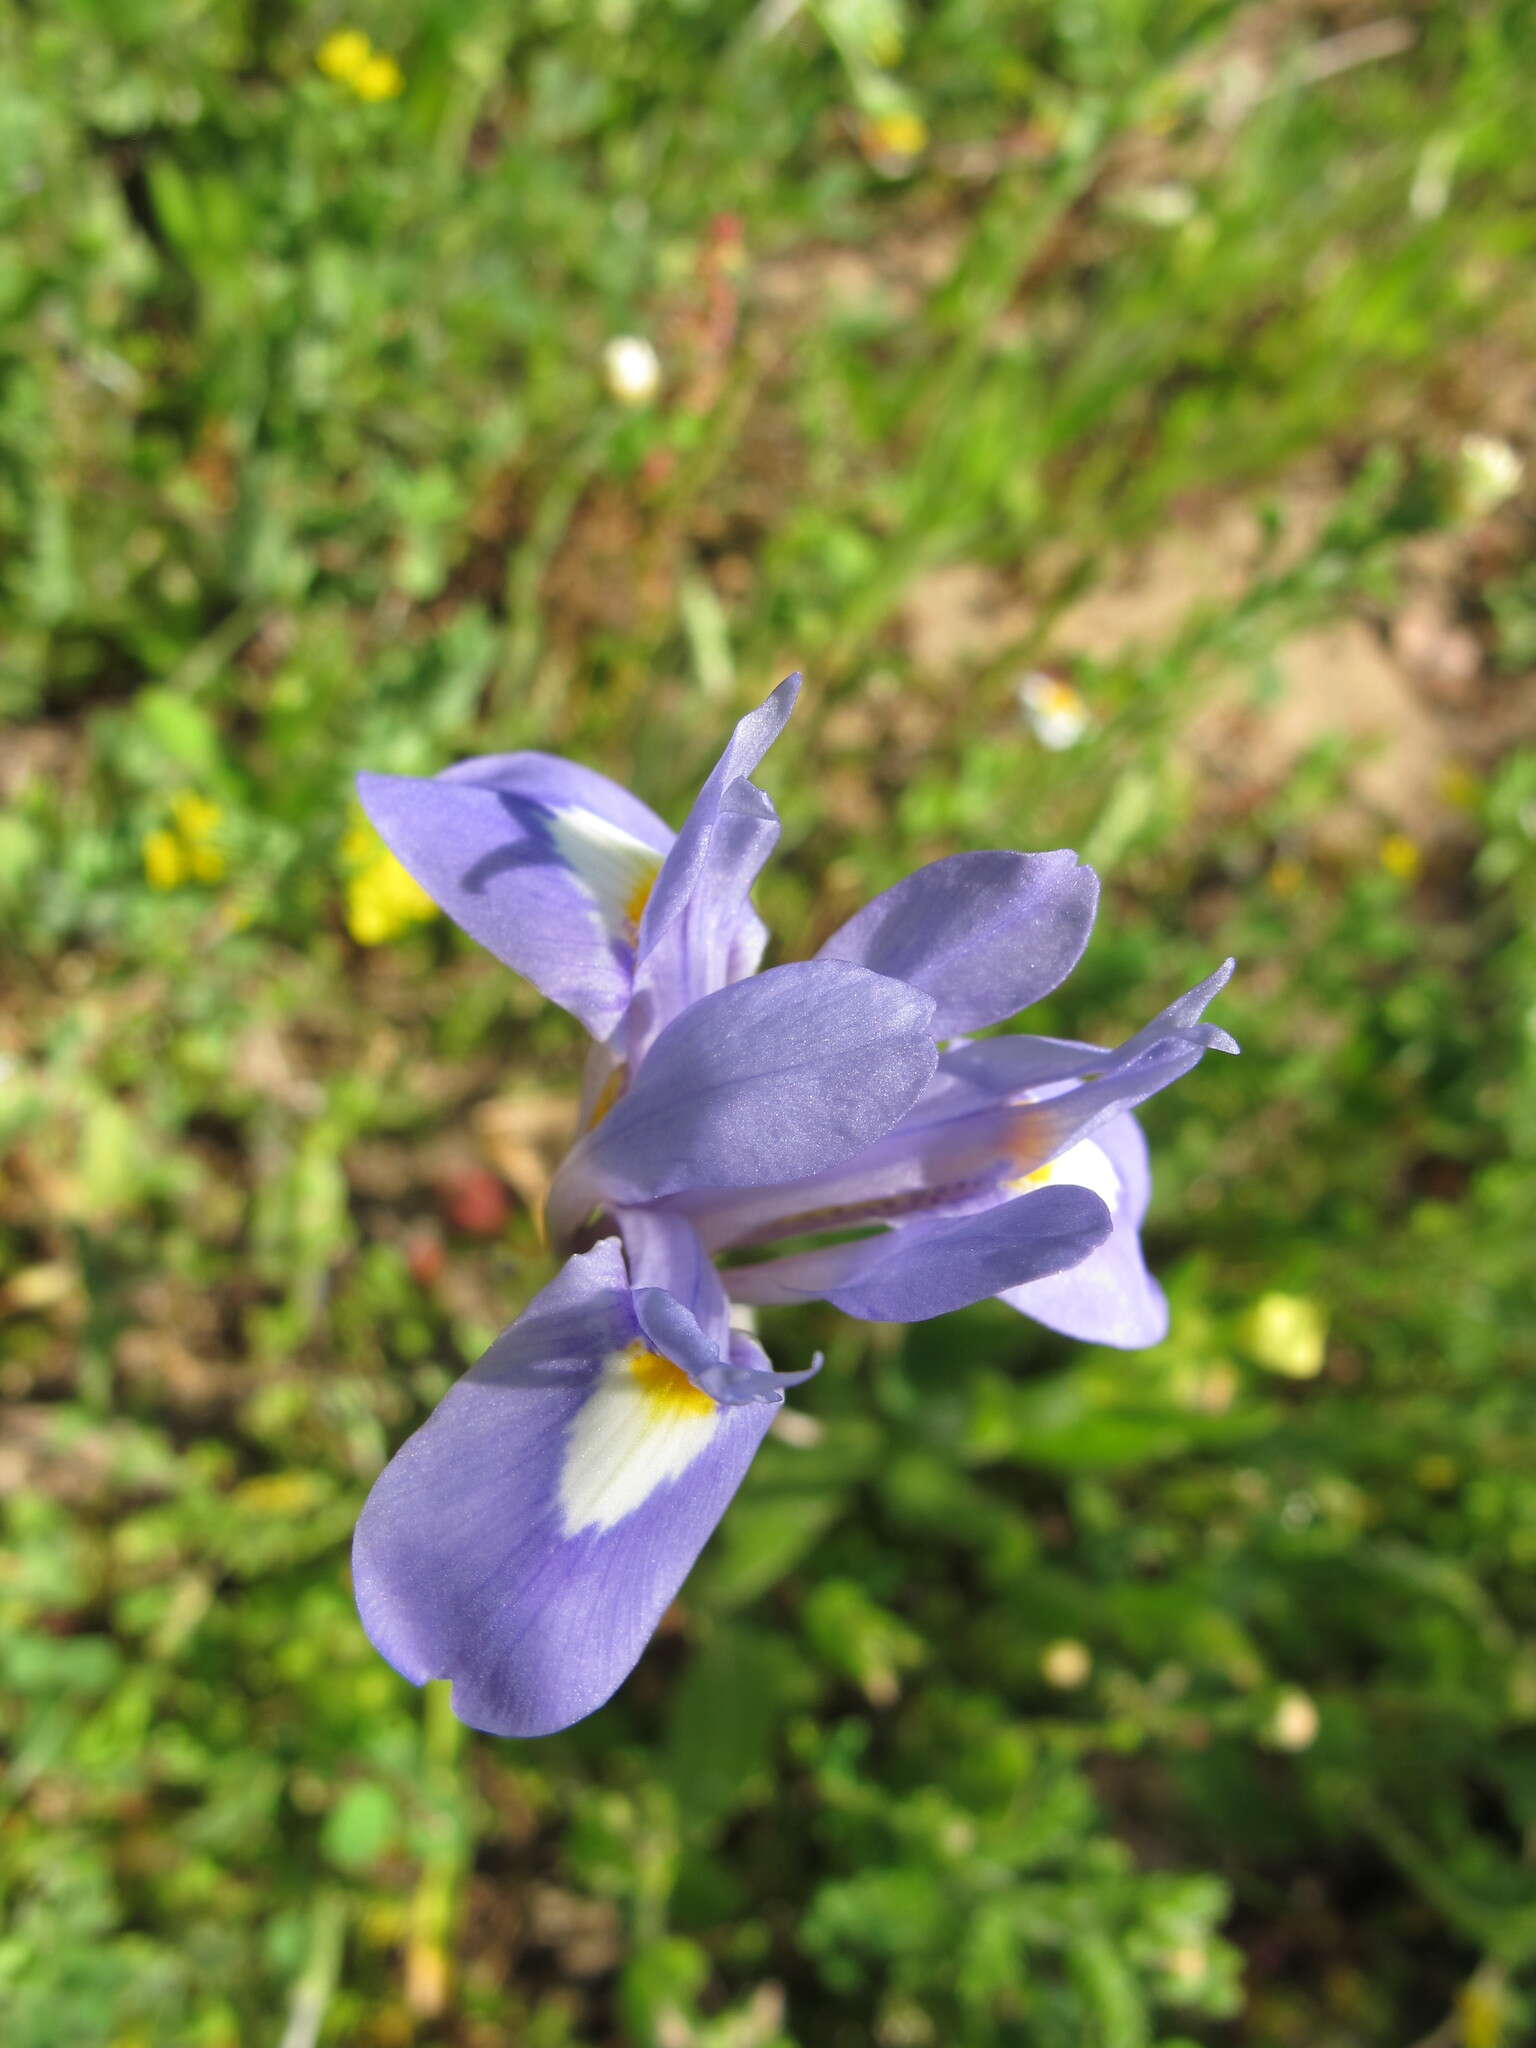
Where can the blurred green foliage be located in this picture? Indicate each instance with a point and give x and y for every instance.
(1030, 1697)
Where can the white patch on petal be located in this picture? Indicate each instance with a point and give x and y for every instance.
(1083, 1165)
(618, 870)
(642, 1425)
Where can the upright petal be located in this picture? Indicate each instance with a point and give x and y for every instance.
(690, 853)
(527, 1539)
(927, 1268)
(1110, 1298)
(700, 932)
(767, 1080)
(986, 934)
(549, 865)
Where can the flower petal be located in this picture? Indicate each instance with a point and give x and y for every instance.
(926, 1269)
(1110, 1298)
(700, 931)
(528, 1538)
(995, 1111)
(744, 1376)
(547, 864)
(663, 1251)
(720, 797)
(767, 1080)
(1015, 1064)
(986, 934)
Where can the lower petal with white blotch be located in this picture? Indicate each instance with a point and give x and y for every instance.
(1110, 1297)
(549, 865)
(528, 1538)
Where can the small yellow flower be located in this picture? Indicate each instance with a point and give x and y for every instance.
(165, 859)
(379, 79)
(1286, 878)
(206, 862)
(343, 55)
(1287, 1334)
(195, 817)
(382, 900)
(183, 850)
(1400, 857)
(1483, 2009)
(899, 133)
(275, 1493)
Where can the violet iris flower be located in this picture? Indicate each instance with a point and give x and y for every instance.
(527, 1539)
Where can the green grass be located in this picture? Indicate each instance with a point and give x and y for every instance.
(307, 464)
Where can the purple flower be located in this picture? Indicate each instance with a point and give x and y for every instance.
(527, 1539)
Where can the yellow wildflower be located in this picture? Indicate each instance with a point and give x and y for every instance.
(382, 899)
(379, 79)
(899, 133)
(1483, 2009)
(165, 859)
(196, 817)
(1286, 878)
(1287, 1334)
(349, 57)
(343, 55)
(1400, 857)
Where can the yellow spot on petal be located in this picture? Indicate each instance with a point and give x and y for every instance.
(640, 1428)
(639, 896)
(165, 860)
(343, 54)
(1083, 1165)
(668, 1391)
(607, 1096)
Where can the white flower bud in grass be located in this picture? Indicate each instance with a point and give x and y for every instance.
(1066, 1664)
(1489, 472)
(1294, 1723)
(631, 369)
(1057, 715)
